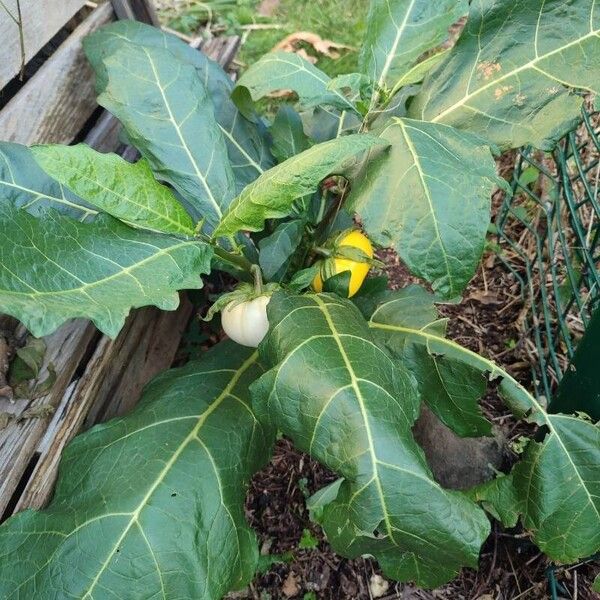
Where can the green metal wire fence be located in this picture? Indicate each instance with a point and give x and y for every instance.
(549, 234)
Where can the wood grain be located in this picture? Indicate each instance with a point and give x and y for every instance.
(36, 31)
(59, 99)
(142, 10)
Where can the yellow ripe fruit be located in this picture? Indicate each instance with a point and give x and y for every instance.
(358, 270)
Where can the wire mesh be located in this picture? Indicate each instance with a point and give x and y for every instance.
(549, 235)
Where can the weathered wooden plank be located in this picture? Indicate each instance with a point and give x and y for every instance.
(142, 10)
(19, 441)
(36, 31)
(111, 384)
(58, 100)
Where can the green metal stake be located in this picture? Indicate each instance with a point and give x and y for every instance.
(579, 389)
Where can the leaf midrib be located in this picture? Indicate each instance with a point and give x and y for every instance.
(125, 271)
(183, 143)
(529, 65)
(354, 383)
(417, 163)
(392, 53)
(166, 469)
(181, 228)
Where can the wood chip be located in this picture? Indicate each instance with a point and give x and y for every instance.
(290, 586)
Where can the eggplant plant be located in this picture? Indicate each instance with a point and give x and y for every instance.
(151, 505)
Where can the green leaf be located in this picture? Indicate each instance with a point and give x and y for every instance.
(25, 185)
(288, 71)
(246, 141)
(322, 124)
(596, 584)
(430, 198)
(308, 541)
(418, 72)
(506, 76)
(556, 485)
(399, 32)
(277, 249)
(272, 194)
(53, 268)
(340, 397)
(168, 115)
(121, 189)
(288, 134)
(450, 388)
(558, 488)
(150, 505)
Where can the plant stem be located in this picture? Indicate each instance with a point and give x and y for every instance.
(238, 260)
(258, 280)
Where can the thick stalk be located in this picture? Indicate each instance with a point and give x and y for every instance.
(237, 260)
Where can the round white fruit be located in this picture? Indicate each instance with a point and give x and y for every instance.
(246, 322)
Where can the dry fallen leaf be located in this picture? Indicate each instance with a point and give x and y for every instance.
(290, 586)
(326, 47)
(484, 297)
(378, 586)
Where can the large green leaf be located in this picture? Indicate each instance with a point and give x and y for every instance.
(341, 398)
(246, 140)
(121, 189)
(506, 76)
(430, 198)
(150, 505)
(53, 268)
(25, 185)
(271, 196)
(399, 32)
(449, 387)
(556, 485)
(289, 71)
(169, 116)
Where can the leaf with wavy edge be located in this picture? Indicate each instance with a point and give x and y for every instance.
(246, 141)
(288, 71)
(25, 185)
(429, 197)
(507, 78)
(53, 268)
(126, 191)
(399, 32)
(556, 485)
(150, 505)
(340, 397)
(271, 196)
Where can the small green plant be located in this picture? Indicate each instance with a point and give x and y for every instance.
(152, 504)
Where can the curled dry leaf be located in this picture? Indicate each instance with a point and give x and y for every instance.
(326, 47)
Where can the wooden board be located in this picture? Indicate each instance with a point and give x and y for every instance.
(142, 10)
(36, 31)
(59, 99)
